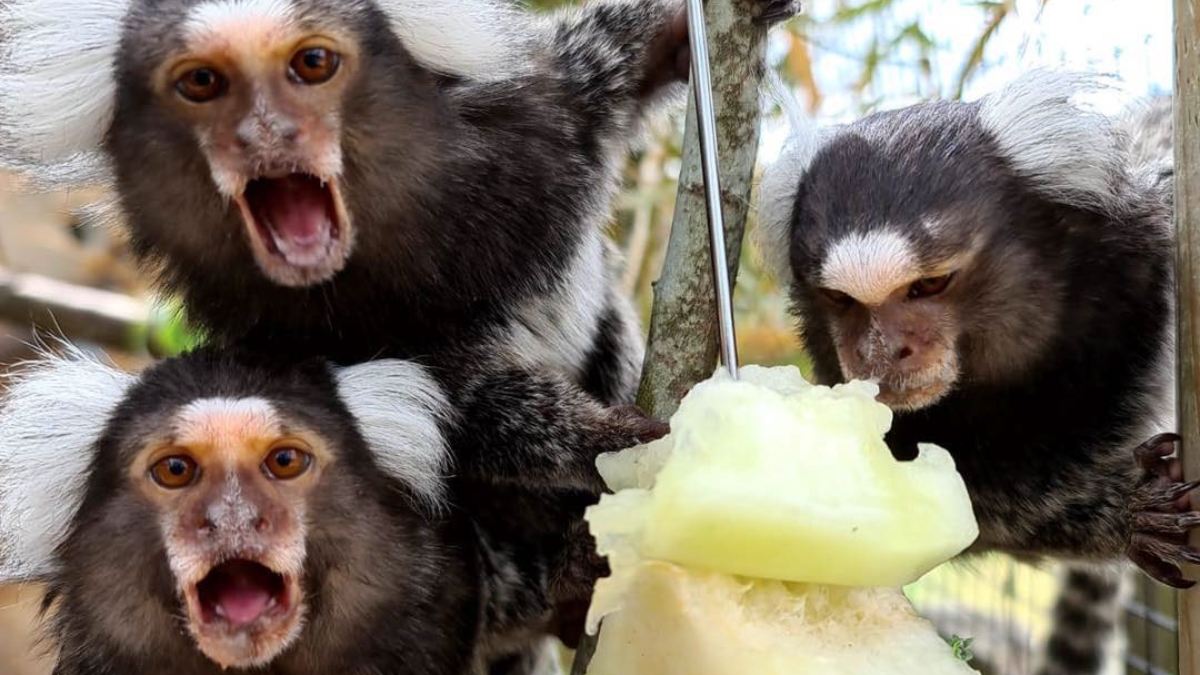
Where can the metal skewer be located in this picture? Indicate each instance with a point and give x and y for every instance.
(712, 184)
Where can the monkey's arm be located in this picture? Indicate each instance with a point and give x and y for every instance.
(613, 56)
(539, 430)
(1126, 504)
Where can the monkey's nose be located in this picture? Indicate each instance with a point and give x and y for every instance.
(903, 353)
(289, 133)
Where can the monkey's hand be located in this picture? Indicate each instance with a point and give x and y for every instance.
(1162, 515)
(538, 430)
(670, 55)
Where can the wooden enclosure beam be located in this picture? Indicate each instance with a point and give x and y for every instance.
(1187, 221)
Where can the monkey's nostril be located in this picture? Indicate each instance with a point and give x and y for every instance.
(904, 353)
(261, 525)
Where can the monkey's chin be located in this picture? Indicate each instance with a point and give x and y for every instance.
(913, 398)
(298, 227)
(242, 614)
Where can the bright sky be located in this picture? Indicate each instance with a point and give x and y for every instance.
(1131, 38)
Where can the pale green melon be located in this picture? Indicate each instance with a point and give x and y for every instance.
(772, 477)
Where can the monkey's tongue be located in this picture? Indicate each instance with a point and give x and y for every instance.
(240, 592)
(298, 215)
(241, 605)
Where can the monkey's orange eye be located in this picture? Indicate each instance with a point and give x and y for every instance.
(929, 287)
(836, 297)
(314, 65)
(174, 472)
(201, 85)
(287, 463)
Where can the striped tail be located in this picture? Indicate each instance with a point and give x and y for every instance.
(1085, 636)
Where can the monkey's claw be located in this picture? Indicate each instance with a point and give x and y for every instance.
(1162, 515)
(774, 11)
(642, 427)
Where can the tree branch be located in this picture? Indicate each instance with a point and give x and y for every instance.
(683, 327)
(78, 312)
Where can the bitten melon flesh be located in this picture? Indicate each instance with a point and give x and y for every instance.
(761, 484)
(675, 621)
(775, 478)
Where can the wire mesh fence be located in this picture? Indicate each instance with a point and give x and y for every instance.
(1005, 607)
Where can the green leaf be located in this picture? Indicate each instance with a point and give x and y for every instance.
(961, 648)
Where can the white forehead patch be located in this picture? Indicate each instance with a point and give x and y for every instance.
(400, 409)
(52, 415)
(226, 422)
(870, 266)
(225, 15)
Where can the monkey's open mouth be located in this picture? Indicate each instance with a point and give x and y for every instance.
(241, 593)
(243, 614)
(298, 226)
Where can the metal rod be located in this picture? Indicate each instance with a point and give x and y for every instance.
(705, 115)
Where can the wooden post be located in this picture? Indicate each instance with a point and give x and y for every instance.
(1187, 221)
(683, 326)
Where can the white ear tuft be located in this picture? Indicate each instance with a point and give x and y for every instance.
(781, 182)
(1068, 151)
(54, 412)
(399, 409)
(57, 85)
(476, 39)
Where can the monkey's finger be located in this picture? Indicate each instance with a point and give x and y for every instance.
(1150, 454)
(1160, 570)
(774, 11)
(1166, 523)
(1177, 492)
(1160, 548)
(644, 427)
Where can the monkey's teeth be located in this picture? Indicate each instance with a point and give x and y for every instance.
(296, 216)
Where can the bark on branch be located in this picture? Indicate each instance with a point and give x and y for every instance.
(683, 327)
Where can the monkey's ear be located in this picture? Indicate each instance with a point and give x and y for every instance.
(780, 184)
(57, 86)
(476, 39)
(401, 412)
(55, 410)
(1066, 150)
